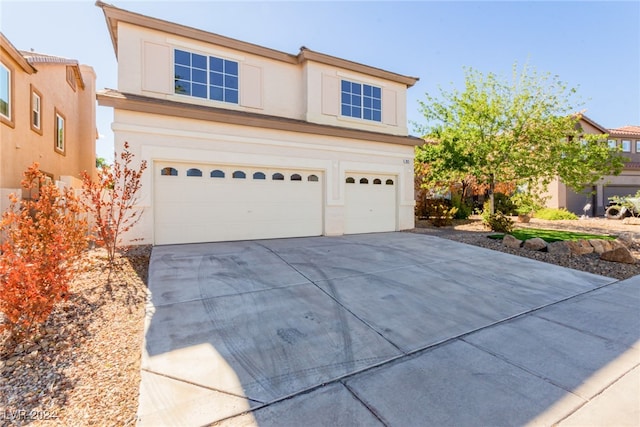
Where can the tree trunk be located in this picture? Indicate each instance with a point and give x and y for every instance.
(492, 186)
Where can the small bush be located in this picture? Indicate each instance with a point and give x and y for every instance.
(555, 214)
(498, 222)
(464, 210)
(504, 204)
(438, 211)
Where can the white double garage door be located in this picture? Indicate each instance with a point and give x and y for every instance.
(210, 203)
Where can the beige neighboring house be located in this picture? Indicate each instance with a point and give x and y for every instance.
(47, 115)
(247, 142)
(627, 183)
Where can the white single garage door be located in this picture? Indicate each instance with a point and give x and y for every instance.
(209, 203)
(370, 203)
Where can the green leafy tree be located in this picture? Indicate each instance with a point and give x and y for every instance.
(525, 131)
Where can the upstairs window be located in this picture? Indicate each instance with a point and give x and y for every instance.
(205, 77)
(361, 101)
(5, 93)
(637, 146)
(626, 146)
(60, 133)
(36, 113)
(612, 144)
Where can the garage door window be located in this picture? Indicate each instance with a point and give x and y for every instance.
(259, 175)
(296, 177)
(277, 177)
(312, 178)
(364, 181)
(377, 181)
(216, 174)
(194, 172)
(239, 175)
(389, 182)
(169, 171)
(350, 180)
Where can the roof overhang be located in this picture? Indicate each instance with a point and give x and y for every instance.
(143, 104)
(15, 54)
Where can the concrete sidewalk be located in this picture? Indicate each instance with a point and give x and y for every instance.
(391, 329)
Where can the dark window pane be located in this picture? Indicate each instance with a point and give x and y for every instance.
(182, 73)
(377, 104)
(356, 100)
(350, 180)
(312, 178)
(199, 90)
(356, 112)
(366, 114)
(169, 171)
(194, 172)
(182, 57)
(389, 182)
(364, 181)
(366, 102)
(239, 175)
(217, 174)
(216, 79)
(198, 76)
(231, 67)
(346, 86)
(199, 61)
(356, 88)
(366, 90)
(376, 92)
(216, 64)
(183, 88)
(277, 177)
(377, 116)
(377, 181)
(215, 93)
(296, 177)
(346, 110)
(345, 98)
(230, 82)
(231, 95)
(258, 175)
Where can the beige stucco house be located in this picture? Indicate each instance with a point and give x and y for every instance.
(627, 183)
(47, 115)
(246, 142)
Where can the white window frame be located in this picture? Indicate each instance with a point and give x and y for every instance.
(638, 146)
(60, 133)
(613, 144)
(9, 116)
(36, 111)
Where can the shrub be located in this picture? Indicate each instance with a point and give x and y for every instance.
(439, 211)
(555, 214)
(111, 200)
(503, 203)
(464, 210)
(497, 222)
(44, 237)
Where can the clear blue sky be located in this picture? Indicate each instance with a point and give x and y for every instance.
(594, 46)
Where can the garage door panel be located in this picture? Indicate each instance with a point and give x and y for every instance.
(370, 207)
(200, 209)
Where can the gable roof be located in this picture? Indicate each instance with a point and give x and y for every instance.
(114, 15)
(16, 55)
(42, 58)
(594, 124)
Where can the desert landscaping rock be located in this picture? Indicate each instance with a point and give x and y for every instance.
(600, 245)
(535, 244)
(511, 242)
(559, 248)
(620, 254)
(580, 247)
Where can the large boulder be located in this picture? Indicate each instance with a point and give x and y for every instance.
(559, 248)
(600, 245)
(535, 244)
(620, 254)
(511, 242)
(580, 247)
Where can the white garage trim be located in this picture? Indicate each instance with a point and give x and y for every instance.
(208, 203)
(370, 203)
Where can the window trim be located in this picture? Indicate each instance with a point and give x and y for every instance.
(9, 120)
(36, 129)
(613, 144)
(637, 145)
(58, 115)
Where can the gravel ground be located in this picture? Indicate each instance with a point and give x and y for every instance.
(473, 232)
(84, 369)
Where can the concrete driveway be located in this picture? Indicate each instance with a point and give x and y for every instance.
(384, 329)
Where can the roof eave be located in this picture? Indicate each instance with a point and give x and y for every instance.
(16, 55)
(138, 103)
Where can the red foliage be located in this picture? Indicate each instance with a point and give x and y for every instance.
(43, 238)
(112, 198)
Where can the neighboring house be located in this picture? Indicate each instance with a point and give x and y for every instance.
(47, 115)
(627, 183)
(246, 142)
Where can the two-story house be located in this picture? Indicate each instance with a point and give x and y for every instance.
(597, 197)
(47, 115)
(247, 142)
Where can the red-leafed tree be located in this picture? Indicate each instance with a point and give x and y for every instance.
(111, 200)
(43, 236)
